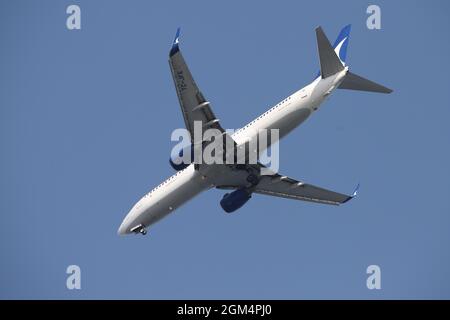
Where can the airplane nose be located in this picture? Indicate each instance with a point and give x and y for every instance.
(123, 229)
(131, 220)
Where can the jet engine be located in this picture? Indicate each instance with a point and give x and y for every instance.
(234, 200)
(178, 163)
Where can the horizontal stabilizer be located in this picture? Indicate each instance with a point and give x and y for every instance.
(330, 63)
(355, 82)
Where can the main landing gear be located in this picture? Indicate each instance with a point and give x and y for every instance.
(252, 174)
(253, 179)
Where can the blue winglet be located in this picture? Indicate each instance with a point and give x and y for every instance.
(175, 47)
(354, 194)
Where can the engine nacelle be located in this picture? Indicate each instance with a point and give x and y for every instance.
(234, 200)
(178, 164)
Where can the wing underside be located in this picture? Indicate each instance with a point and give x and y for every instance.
(282, 186)
(193, 104)
(285, 187)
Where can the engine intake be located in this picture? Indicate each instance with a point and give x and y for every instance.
(234, 200)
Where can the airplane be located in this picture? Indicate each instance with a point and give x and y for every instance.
(245, 179)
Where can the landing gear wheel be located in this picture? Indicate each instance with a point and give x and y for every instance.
(143, 231)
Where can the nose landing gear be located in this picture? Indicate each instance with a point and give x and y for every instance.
(139, 229)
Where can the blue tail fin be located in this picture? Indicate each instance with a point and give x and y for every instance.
(341, 43)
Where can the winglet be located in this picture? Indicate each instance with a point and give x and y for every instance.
(175, 47)
(354, 194)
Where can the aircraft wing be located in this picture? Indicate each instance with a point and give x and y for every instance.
(278, 185)
(193, 104)
(285, 187)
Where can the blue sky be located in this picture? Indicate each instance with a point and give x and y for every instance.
(86, 118)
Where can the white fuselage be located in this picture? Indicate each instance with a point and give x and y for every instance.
(187, 183)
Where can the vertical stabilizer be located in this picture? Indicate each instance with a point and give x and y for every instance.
(330, 63)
